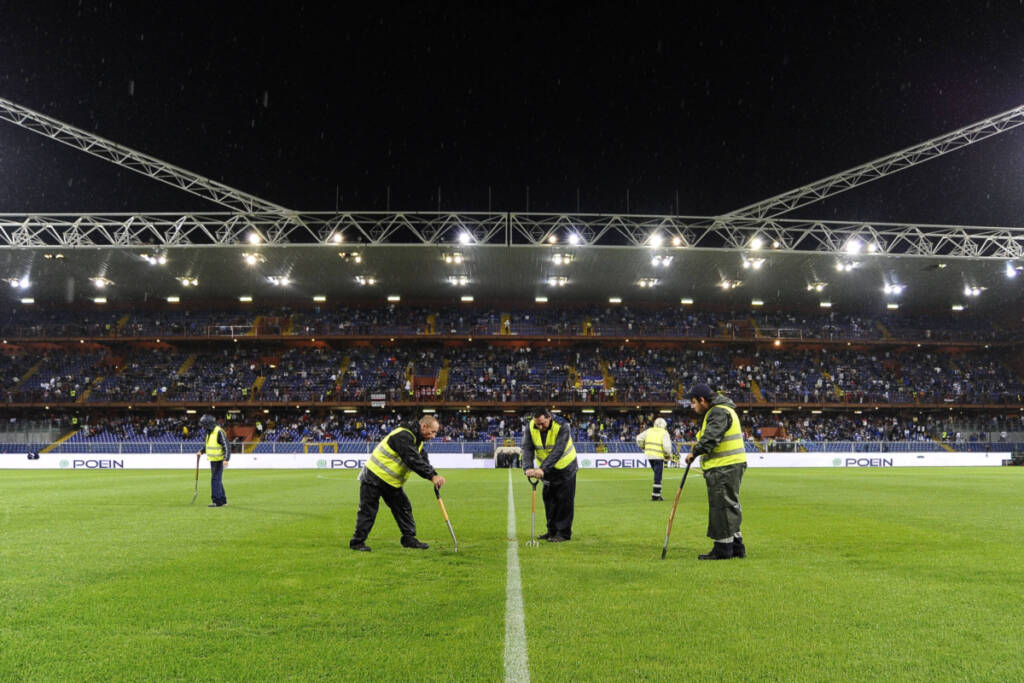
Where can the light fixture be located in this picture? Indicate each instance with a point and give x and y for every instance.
(465, 238)
(845, 267)
(252, 259)
(686, 302)
(155, 259)
(677, 241)
(466, 299)
(615, 300)
(353, 256)
(825, 304)
(337, 238)
(892, 307)
(19, 283)
(458, 280)
(552, 239)
(973, 291)
(648, 281)
(656, 240)
(853, 246)
(873, 247)
(730, 284)
(279, 280)
(756, 242)
(394, 298)
(757, 302)
(319, 298)
(894, 289)
(574, 239)
(558, 281)
(100, 282)
(660, 260)
(53, 256)
(366, 280)
(562, 259)
(816, 286)
(100, 300)
(453, 258)
(173, 299)
(254, 237)
(1011, 270)
(187, 281)
(540, 299)
(28, 300)
(958, 307)
(245, 300)
(754, 263)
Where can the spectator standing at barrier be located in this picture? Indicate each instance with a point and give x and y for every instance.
(218, 451)
(723, 458)
(399, 454)
(657, 445)
(549, 455)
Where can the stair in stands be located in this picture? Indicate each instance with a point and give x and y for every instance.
(609, 378)
(28, 374)
(60, 441)
(442, 377)
(88, 390)
(256, 386)
(187, 365)
(755, 389)
(121, 323)
(886, 334)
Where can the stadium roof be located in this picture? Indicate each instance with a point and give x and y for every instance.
(506, 268)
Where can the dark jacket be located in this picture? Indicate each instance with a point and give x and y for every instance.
(407, 446)
(718, 421)
(557, 451)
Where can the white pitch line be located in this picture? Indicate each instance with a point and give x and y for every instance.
(517, 668)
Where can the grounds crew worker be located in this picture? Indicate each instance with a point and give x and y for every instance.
(218, 451)
(549, 455)
(723, 458)
(394, 458)
(657, 445)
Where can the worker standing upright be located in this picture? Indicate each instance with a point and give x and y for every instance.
(218, 451)
(657, 445)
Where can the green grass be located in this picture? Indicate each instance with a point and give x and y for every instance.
(909, 574)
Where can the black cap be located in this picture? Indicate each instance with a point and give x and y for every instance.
(207, 421)
(699, 391)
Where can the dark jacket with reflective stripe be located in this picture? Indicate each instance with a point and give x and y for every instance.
(716, 424)
(407, 447)
(557, 451)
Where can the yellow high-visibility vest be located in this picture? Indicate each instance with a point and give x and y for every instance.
(654, 449)
(543, 442)
(385, 462)
(730, 450)
(214, 451)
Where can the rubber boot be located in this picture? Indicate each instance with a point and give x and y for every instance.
(721, 551)
(738, 549)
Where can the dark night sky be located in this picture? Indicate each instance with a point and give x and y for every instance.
(725, 105)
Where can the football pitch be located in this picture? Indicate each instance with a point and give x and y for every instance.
(852, 574)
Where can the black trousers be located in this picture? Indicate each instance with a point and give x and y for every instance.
(371, 489)
(217, 494)
(559, 505)
(658, 465)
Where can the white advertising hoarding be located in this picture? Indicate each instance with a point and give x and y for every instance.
(244, 461)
